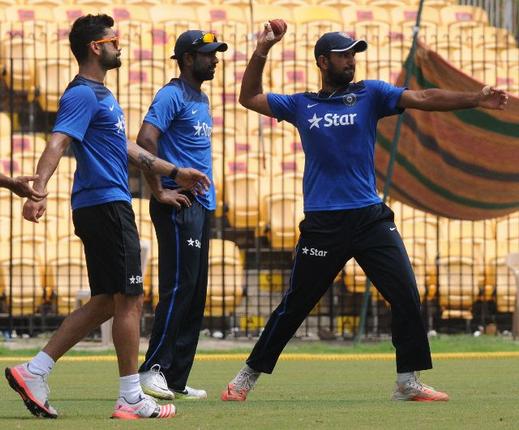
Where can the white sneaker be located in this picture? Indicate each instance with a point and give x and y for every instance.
(32, 388)
(415, 390)
(154, 384)
(191, 393)
(146, 407)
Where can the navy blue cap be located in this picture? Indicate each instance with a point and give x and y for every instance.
(337, 41)
(191, 41)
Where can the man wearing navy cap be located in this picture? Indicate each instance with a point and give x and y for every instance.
(344, 216)
(178, 127)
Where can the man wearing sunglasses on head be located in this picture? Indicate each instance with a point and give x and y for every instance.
(178, 127)
(90, 120)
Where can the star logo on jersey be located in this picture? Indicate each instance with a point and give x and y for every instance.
(190, 242)
(120, 124)
(314, 121)
(202, 129)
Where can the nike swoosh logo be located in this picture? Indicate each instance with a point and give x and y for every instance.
(194, 111)
(310, 106)
(111, 107)
(392, 228)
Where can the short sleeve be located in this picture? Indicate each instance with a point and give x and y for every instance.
(164, 108)
(283, 107)
(77, 107)
(387, 97)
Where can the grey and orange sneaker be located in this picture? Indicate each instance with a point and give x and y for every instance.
(414, 390)
(146, 407)
(32, 388)
(240, 386)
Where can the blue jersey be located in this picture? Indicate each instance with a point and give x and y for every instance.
(91, 116)
(182, 115)
(338, 135)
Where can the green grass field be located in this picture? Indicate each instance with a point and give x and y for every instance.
(317, 394)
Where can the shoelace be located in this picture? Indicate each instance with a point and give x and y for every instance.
(245, 381)
(419, 385)
(45, 383)
(156, 369)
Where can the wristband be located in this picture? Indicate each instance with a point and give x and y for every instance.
(174, 172)
(259, 55)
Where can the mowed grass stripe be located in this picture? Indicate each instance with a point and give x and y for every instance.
(300, 357)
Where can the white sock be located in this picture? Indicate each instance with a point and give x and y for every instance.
(130, 388)
(41, 364)
(402, 378)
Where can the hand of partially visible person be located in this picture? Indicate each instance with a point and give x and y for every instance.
(492, 98)
(192, 180)
(174, 198)
(20, 186)
(34, 210)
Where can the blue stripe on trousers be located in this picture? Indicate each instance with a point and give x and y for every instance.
(175, 290)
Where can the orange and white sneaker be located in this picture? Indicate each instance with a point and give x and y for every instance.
(240, 386)
(414, 390)
(32, 388)
(146, 407)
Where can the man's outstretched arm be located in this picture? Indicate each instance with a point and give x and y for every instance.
(444, 100)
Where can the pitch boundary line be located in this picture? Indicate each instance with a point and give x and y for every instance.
(297, 357)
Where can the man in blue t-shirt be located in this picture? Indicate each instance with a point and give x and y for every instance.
(91, 121)
(178, 127)
(344, 216)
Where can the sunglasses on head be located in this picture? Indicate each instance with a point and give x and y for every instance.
(114, 40)
(206, 38)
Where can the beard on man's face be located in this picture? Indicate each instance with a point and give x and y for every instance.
(110, 60)
(340, 77)
(203, 71)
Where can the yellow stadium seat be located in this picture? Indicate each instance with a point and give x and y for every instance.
(97, 4)
(28, 13)
(290, 184)
(21, 277)
(128, 12)
(225, 281)
(355, 278)
(143, 3)
(387, 4)
(424, 228)
(288, 3)
(52, 78)
(45, 3)
(339, 3)
(406, 15)
(463, 16)
(459, 283)
(295, 76)
(321, 15)
(285, 214)
(488, 38)
(68, 13)
(288, 164)
(439, 4)
(265, 12)
(242, 199)
(357, 14)
(222, 14)
(69, 277)
(17, 55)
(459, 229)
(174, 14)
(5, 127)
